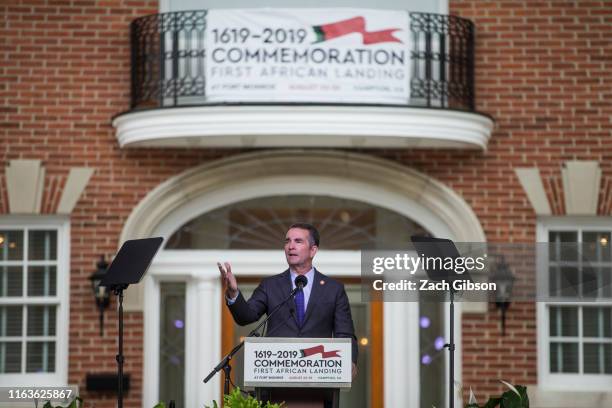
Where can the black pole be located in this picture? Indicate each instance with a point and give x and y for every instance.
(451, 349)
(227, 369)
(101, 307)
(120, 359)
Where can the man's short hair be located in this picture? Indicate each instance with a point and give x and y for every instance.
(313, 237)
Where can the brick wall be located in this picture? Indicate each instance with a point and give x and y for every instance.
(542, 71)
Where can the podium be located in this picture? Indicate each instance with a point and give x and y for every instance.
(302, 372)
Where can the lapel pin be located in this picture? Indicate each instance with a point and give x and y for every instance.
(322, 282)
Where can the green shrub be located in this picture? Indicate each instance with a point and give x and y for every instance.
(515, 397)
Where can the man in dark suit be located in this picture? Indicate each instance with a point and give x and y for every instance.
(321, 309)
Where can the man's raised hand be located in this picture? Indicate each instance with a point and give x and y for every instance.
(229, 280)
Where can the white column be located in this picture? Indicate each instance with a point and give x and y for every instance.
(150, 377)
(401, 357)
(203, 342)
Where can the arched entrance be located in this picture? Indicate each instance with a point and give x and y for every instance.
(362, 179)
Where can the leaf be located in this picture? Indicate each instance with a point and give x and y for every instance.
(77, 402)
(492, 402)
(472, 399)
(511, 387)
(516, 398)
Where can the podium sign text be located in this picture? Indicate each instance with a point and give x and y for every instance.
(282, 362)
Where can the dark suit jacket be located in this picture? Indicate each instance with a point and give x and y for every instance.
(328, 313)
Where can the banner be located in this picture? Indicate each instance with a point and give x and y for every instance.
(308, 55)
(282, 361)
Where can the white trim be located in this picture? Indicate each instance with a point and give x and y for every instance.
(150, 383)
(339, 174)
(531, 181)
(401, 361)
(561, 382)
(303, 126)
(62, 225)
(442, 7)
(457, 388)
(581, 181)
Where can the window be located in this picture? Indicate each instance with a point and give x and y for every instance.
(33, 302)
(575, 343)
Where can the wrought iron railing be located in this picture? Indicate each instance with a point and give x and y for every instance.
(168, 57)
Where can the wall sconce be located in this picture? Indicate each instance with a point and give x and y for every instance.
(504, 281)
(101, 294)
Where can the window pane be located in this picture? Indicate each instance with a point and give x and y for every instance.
(607, 358)
(568, 281)
(597, 321)
(41, 320)
(564, 357)
(590, 282)
(261, 223)
(606, 282)
(172, 343)
(11, 245)
(563, 321)
(562, 245)
(11, 281)
(11, 320)
(42, 245)
(597, 358)
(42, 281)
(40, 357)
(597, 247)
(10, 357)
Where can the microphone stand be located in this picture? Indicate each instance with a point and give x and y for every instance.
(224, 364)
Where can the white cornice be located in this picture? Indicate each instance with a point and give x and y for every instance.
(303, 126)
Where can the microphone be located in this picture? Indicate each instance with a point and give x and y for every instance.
(301, 282)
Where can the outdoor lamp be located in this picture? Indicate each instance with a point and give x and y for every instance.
(100, 293)
(504, 282)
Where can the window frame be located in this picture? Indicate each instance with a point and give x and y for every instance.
(565, 381)
(62, 226)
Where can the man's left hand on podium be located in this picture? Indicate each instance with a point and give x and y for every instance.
(354, 372)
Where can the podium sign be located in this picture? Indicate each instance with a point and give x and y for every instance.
(304, 362)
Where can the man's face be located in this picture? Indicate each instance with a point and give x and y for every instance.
(298, 250)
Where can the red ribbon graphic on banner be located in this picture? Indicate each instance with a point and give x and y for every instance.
(319, 349)
(354, 25)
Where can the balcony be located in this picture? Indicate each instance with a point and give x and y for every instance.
(170, 106)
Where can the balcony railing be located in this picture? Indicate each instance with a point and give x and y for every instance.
(168, 60)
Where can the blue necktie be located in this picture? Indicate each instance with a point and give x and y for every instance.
(299, 305)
